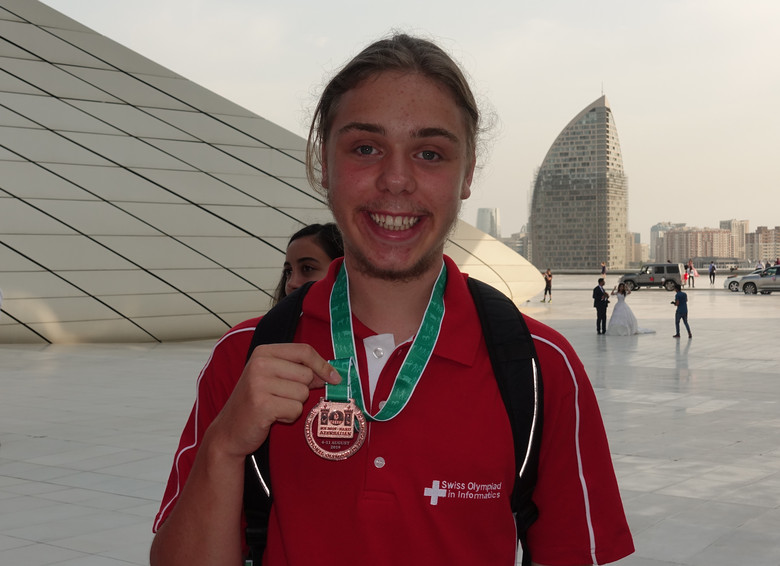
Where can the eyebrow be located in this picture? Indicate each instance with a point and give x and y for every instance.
(304, 259)
(363, 127)
(430, 132)
(436, 133)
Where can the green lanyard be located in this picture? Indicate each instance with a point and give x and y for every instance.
(346, 357)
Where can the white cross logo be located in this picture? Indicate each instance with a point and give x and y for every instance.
(434, 492)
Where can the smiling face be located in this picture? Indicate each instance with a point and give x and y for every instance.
(396, 166)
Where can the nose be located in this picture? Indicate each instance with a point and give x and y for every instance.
(295, 280)
(397, 174)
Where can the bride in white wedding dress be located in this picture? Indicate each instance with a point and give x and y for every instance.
(623, 322)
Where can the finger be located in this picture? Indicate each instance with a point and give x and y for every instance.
(281, 388)
(274, 375)
(304, 355)
(282, 409)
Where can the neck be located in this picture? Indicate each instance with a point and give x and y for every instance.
(388, 306)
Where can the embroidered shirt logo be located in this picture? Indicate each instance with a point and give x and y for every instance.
(434, 492)
(442, 489)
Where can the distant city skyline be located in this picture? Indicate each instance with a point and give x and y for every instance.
(692, 83)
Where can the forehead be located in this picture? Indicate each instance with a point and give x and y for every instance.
(305, 247)
(402, 100)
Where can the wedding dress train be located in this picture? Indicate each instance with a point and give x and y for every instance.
(623, 322)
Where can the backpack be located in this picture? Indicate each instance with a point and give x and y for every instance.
(516, 369)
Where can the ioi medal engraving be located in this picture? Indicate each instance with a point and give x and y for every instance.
(331, 432)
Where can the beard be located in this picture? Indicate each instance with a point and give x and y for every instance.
(363, 264)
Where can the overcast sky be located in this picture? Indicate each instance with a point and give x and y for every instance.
(694, 85)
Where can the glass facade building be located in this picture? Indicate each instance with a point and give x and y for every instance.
(579, 207)
(488, 221)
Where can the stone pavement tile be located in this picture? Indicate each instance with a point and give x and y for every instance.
(740, 547)
(40, 554)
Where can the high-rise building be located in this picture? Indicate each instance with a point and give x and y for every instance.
(683, 244)
(579, 208)
(738, 228)
(763, 244)
(636, 251)
(657, 233)
(488, 221)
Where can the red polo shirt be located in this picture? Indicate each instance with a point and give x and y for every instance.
(432, 485)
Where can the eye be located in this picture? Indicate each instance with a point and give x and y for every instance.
(428, 155)
(366, 149)
(287, 272)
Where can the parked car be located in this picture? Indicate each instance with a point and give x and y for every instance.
(655, 275)
(732, 281)
(763, 282)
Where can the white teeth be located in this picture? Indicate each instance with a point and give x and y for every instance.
(389, 222)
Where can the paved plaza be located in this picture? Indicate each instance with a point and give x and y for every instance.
(88, 432)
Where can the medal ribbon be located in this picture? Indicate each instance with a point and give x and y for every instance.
(416, 358)
(342, 392)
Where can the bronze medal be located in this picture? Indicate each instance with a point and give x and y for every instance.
(330, 429)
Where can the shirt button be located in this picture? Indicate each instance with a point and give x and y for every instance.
(379, 462)
(378, 353)
(382, 405)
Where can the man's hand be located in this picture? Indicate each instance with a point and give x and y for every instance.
(273, 388)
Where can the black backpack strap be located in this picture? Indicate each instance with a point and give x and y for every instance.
(515, 365)
(277, 326)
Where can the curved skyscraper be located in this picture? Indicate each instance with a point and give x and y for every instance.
(579, 208)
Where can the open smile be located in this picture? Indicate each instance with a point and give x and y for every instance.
(397, 223)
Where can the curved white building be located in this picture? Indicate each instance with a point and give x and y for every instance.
(136, 205)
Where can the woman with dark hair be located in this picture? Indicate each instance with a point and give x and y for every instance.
(309, 253)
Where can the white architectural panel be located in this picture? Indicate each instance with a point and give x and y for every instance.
(136, 205)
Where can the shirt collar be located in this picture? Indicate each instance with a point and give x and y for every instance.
(460, 334)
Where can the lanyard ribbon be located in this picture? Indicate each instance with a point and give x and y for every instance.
(346, 358)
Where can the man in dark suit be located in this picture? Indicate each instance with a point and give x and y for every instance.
(600, 301)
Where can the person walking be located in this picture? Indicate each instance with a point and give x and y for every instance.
(712, 271)
(547, 285)
(600, 302)
(681, 313)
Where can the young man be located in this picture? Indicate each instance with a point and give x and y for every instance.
(600, 303)
(394, 136)
(681, 312)
(713, 268)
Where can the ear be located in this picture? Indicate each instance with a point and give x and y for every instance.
(465, 190)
